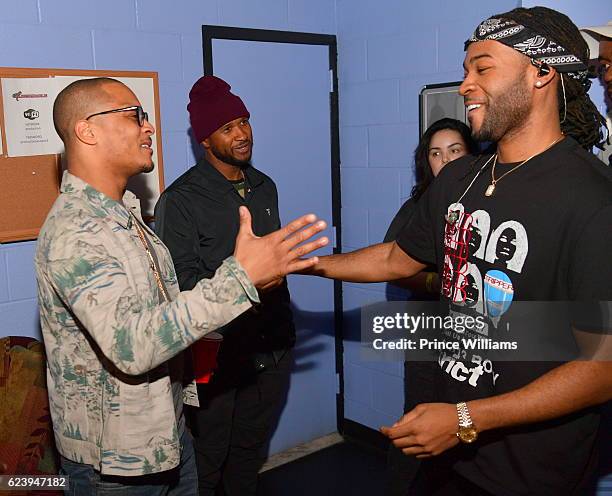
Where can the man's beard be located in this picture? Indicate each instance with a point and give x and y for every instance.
(508, 113)
(228, 159)
(146, 168)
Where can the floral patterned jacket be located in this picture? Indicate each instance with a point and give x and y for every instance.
(108, 339)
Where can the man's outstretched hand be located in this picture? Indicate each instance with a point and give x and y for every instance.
(271, 257)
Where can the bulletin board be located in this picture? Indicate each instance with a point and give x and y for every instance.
(31, 152)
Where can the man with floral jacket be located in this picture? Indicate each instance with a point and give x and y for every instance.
(113, 320)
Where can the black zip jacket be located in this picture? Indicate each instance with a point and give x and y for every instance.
(197, 218)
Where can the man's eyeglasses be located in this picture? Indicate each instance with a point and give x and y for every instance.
(140, 114)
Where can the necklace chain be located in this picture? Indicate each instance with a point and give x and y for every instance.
(143, 240)
(453, 215)
(491, 188)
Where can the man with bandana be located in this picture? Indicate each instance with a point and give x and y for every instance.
(599, 39)
(501, 426)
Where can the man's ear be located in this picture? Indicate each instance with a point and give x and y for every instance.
(206, 144)
(543, 74)
(84, 132)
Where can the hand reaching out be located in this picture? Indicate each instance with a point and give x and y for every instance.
(269, 258)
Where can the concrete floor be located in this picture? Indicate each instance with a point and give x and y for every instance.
(343, 468)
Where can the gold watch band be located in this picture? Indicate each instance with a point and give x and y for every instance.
(467, 432)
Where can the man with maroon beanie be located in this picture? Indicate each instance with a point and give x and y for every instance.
(197, 218)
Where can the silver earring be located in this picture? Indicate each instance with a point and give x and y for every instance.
(538, 83)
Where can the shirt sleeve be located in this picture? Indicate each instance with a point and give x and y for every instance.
(175, 226)
(95, 291)
(591, 268)
(402, 217)
(590, 275)
(417, 237)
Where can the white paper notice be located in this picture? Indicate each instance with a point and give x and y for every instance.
(28, 116)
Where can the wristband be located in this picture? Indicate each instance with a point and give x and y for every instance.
(429, 282)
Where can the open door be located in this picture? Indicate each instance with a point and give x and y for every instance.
(288, 83)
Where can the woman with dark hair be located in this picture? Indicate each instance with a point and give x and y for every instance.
(444, 141)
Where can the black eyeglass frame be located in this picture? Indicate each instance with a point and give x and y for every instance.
(140, 113)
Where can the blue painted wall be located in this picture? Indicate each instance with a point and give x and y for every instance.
(148, 35)
(388, 50)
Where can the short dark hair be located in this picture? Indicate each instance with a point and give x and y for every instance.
(75, 102)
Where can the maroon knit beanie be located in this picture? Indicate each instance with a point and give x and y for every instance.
(212, 105)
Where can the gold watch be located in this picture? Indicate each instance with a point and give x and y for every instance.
(467, 432)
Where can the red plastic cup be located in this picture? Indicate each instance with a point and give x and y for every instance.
(205, 356)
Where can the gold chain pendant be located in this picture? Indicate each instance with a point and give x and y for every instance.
(490, 190)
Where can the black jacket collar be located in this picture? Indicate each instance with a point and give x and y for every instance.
(216, 181)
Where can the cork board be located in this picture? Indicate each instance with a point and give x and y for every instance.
(29, 184)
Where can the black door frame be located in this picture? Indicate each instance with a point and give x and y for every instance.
(210, 33)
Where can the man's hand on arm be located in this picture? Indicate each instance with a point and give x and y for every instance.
(269, 258)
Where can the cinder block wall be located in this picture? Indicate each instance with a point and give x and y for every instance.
(388, 49)
(147, 35)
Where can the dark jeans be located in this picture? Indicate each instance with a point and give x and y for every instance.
(232, 426)
(180, 481)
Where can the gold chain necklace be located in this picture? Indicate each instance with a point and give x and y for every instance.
(491, 188)
(143, 240)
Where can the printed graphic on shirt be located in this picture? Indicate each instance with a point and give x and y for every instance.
(456, 245)
(470, 288)
(498, 294)
(469, 237)
(479, 232)
(508, 245)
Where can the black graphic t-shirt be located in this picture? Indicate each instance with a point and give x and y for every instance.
(516, 260)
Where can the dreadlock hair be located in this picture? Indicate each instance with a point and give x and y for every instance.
(578, 115)
(583, 121)
(424, 175)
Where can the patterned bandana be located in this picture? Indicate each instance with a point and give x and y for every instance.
(537, 46)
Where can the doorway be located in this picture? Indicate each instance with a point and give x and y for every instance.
(288, 82)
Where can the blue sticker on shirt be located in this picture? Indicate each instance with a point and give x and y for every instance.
(498, 293)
